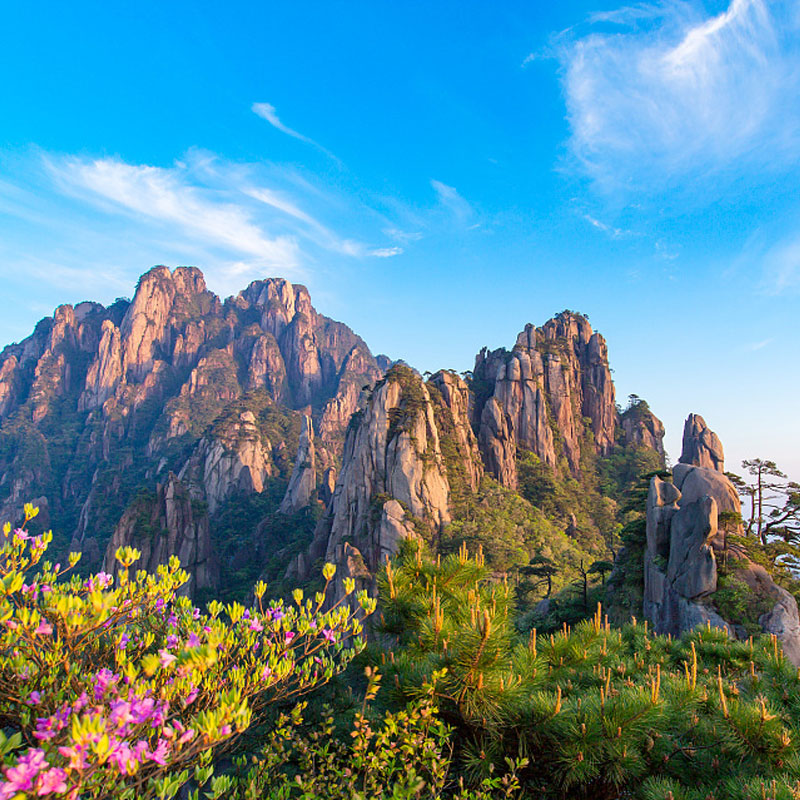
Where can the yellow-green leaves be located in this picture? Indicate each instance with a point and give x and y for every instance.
(127, 555)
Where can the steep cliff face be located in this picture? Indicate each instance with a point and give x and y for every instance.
(232, 459)
(544, 396)
(303, 482)
(686, 536)
(400, 453)
(100, 402)
(165, 525)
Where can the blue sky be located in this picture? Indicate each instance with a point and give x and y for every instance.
(438, 174)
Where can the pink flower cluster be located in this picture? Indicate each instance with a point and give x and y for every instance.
(124, 722)
(33, 777)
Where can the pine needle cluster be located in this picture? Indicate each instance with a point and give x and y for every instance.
(598, 712)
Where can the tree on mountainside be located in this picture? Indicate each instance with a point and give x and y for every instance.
(543, 568)
(774, 501)
(601, 568)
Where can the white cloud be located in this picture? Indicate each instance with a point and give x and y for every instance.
(449, 197)
(267, 111)
(386, 252)
(678, 95)
(614, 233)
(164, 196)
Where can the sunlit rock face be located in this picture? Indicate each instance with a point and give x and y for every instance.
(556, 378)
(394, 481)
(101, 401)
(685, 538)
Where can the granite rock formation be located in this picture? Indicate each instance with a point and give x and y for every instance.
(101, 401)
(166, 525)
(685, 538)
(235, 459)
(394, 478)
(537, 396)
(701, 446)
(303, 482)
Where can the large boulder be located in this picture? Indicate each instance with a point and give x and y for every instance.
(692, 567)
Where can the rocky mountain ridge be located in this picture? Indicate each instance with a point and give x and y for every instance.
(550, 397)
(99, 402)
(203, 407)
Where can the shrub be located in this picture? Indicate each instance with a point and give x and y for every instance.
(402, 755)
(599, 712)
(119, 690)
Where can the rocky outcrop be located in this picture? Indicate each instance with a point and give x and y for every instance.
(685, 538)
(701, 446)
(556, 379)
(453, 420)
(303, 482)
(166, 525)
(393, 478)
(233, 460)
(105, 373)
(641, 428)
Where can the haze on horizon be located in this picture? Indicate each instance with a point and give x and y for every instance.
(437, 176)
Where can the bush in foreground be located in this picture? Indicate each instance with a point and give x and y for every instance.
(126, 690)
(599, 712)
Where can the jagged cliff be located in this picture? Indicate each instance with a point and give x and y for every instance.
(179, 394)
(163, 525)
(418, 448)
(393, 483)
(552, 395)
(101, 401)
(688, 521)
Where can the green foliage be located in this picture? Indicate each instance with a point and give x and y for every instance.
(599, 712)
(509, 530)
(401, 755)
(117, 691)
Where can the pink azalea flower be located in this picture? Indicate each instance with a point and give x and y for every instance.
(52, 781)
(159, 755)
(45, 628)
(289, 636)
(166, 658)
(193, 640)
(328, 635)
(19, 778)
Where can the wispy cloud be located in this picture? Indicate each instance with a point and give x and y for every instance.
(610, 230)
(677, 95)
(164, 196)
(449, 197)
(386, 252)
(755, 346)
(267, 112)
(94, 224)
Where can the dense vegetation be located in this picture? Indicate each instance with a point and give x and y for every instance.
(128, 690)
